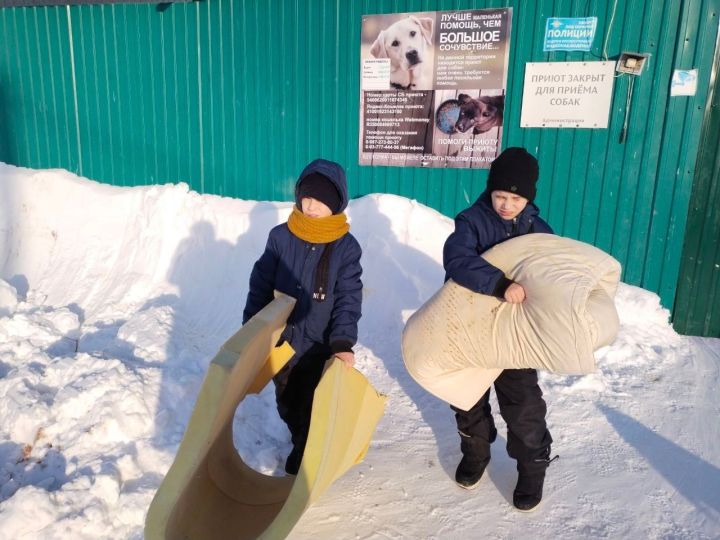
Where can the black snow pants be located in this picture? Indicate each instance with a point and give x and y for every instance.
(523, 409)
(294, 391)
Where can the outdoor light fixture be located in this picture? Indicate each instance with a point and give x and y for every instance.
(629, 63)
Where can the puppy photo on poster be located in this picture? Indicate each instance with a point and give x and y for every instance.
(468, 123)
(406, 40)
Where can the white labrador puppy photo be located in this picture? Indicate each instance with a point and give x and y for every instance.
(408, 45)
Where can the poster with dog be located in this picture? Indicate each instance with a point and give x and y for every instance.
(432, 87)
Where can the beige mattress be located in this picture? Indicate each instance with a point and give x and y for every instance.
(459, 341)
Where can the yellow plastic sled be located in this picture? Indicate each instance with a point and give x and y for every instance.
(210, 493)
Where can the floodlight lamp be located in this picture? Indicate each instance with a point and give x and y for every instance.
(631, 63)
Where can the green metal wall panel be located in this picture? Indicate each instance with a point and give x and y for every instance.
(697, 305)
(695, 48)
(234, 96)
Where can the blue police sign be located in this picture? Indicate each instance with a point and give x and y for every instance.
(569, 34)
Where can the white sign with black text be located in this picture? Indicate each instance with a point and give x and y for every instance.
(567, 94)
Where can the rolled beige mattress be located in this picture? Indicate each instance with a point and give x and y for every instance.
(459, 341)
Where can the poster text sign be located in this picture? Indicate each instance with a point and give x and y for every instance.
(567, 94)
(432, 87)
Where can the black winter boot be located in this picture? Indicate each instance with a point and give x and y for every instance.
(531, 477)
(528, 492)
(476, 456)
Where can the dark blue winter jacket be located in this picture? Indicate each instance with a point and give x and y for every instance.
(477, 229)
(289, 265)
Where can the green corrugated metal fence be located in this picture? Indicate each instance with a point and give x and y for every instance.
(697, 307)
(233, 97)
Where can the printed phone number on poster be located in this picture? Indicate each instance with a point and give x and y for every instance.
(389, 109)
(389, 147)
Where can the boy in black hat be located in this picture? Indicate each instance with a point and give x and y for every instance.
(313, 258)
(504, 210)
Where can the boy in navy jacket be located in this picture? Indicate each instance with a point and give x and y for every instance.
(503, 211)
(314, 259)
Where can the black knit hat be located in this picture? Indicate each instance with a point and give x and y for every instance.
(516, 171)
(319, 187)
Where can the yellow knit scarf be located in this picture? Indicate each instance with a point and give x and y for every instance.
(317, 230)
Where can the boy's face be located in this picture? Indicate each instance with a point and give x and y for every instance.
(507, 205)
(314, 208)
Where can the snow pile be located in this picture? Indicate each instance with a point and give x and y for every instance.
(8, 299)
(113, 301)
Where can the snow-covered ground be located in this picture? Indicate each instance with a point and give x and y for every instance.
(113, 301)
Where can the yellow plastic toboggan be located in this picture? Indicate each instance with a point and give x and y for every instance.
(209, 493)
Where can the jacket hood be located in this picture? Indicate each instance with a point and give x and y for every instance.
(333, 171)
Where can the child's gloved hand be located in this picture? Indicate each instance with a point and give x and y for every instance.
(347, 357)
(515, 294)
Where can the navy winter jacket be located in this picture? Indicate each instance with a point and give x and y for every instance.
(289, 265)
(477, 229)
